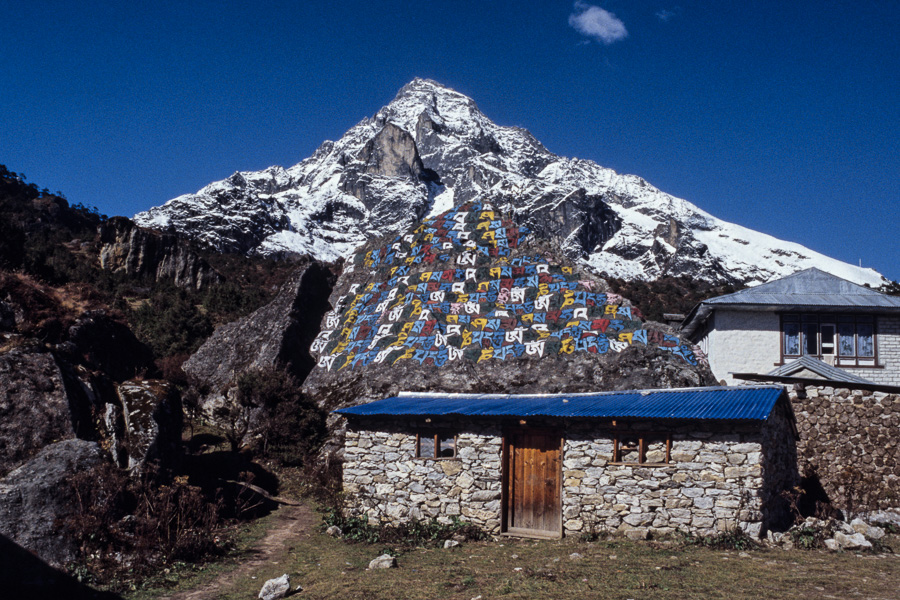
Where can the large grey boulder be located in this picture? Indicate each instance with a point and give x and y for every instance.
(35, 497)
(35, 408)
(277, 335)
(857, 541)
(103, 344)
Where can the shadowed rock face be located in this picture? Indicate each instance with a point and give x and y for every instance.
(109, 346)
(35, 497)
(34, 406)
(137, 251)
(151, 421)
(470, 302)
(278, 334)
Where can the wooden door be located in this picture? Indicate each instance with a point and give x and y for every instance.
(532, 477)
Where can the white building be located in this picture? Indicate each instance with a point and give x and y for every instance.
(810, 314)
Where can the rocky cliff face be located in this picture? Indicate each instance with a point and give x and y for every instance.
(468, 301)
(432, 149)
(137, 251)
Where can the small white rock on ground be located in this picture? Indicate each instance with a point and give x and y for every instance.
(276, 588)
(385, 561)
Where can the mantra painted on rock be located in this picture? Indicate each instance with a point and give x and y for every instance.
(456, 288)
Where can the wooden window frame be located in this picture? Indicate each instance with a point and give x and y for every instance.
(801, 319)
(642, 438)
(436, 438)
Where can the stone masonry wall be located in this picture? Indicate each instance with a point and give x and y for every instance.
(717, 479)
(846, 435)
(384, 480)
(888, 354)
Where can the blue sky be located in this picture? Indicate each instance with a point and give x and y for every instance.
(780, 116)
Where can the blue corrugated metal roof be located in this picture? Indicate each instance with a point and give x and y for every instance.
(721, 403)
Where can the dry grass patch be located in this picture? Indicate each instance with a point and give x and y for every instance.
(620, 569)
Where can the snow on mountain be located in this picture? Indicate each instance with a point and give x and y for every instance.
(431, 149)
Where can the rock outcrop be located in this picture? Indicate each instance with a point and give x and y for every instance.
(127, 247)
(470, 302)
(278, 334)
(34, 498)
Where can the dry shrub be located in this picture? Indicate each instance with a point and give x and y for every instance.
(131, 527)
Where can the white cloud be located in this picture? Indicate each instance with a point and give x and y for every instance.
(594, 22)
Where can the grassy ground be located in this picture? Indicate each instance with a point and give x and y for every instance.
(620, 569)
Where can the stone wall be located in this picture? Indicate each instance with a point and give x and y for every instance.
(384, 480)
(718, 479)
(888, 340)
(848, 435)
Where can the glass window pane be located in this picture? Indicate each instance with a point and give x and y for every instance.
(827, 333)
(865, 335)
(846, 333)
(810, 338)
(448, 447)
(792, 339)
(426, 446)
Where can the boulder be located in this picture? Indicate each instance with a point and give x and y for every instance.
(870, 531)
(471, 301)
(35, 497)
(150, 425)
(103, 344)
(278, 334)
(385, 561)
(857, 541)
(35, 408)
(276, 588)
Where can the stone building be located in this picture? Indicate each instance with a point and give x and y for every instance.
(641, 462)
(807, 314)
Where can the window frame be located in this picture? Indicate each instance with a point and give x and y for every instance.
(436, 437)
(801, 322)
(642, 437)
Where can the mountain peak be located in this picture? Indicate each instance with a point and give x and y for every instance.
(441, 151)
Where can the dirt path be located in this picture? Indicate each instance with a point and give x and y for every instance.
(291, 523)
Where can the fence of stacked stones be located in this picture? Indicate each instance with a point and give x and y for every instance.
(850, 441)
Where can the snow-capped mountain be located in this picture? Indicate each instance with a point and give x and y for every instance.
(431, 149)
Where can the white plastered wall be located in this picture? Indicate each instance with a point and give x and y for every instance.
(742, 342)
